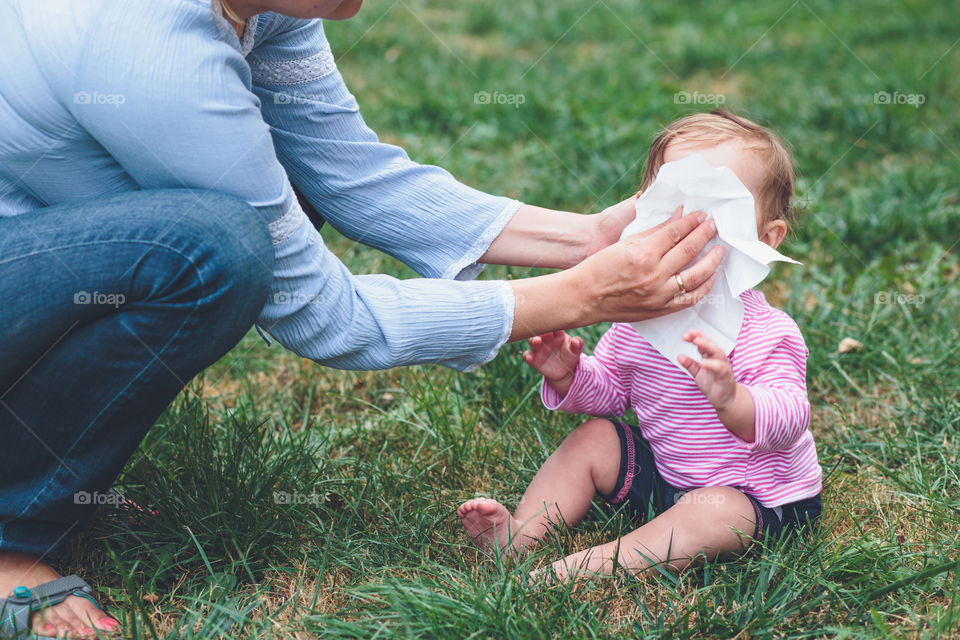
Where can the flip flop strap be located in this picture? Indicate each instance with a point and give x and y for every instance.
(14, 618)
(56, 591)
(16, 610)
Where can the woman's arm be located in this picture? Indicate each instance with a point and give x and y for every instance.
(625, 282)
(373, 193)
(538, 237)
(190, 121)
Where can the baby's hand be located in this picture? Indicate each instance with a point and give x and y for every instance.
(713, 374)
(555, 355)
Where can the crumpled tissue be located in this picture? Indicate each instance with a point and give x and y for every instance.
(717, 192)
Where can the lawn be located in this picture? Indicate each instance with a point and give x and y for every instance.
(297, 501)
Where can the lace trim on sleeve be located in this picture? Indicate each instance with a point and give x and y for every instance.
(286, 225)
(289, 72)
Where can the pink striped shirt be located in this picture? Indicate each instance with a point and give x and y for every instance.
(691, 446)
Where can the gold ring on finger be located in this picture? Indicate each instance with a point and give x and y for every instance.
(679, 280)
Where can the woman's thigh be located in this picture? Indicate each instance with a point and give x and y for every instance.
(114, 305)
(68, 265)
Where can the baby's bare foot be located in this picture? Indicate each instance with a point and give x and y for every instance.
(489, 524)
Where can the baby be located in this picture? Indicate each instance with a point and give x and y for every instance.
(722, 456)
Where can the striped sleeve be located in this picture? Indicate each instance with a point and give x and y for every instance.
(779, 389)
(597, 389)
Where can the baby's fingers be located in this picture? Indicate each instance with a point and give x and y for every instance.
(554, 340)
(689, 364)
(707, 347)
(575, 347)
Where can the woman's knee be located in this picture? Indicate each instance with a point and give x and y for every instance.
(210, 255)
(236, 253)
(241, 239)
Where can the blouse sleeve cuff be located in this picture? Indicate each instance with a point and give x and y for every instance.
(509, 302)
(467, 267)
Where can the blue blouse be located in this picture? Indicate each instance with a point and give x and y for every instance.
(103, 96)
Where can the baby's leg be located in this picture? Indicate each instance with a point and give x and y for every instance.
(711, 520)
(587, 462)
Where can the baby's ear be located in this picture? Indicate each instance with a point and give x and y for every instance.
(773, 233)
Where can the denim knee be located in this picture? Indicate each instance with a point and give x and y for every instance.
(239, 253)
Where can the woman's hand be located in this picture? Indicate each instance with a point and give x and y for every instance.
(610, 223)
(635, 279)
(538, 237)
(628, 281)
(555, 355)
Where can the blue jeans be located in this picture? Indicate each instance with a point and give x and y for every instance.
(108, 307)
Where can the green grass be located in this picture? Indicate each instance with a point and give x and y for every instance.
(377, 462)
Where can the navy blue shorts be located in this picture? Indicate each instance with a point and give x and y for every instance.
(646, 493)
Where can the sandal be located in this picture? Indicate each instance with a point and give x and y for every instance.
(16, 611)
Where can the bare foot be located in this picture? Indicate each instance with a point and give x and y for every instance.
(75, 617)
(489, 524)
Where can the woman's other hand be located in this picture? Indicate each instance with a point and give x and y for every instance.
(610, 223)
(631, 280)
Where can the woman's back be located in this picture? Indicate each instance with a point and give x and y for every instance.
(90, 87)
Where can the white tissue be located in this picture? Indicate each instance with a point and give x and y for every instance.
(717, 192)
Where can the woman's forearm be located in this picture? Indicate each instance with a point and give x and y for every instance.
(538, 237)
(548, 303)
(625, 282)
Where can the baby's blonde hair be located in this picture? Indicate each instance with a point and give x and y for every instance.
(720, 126)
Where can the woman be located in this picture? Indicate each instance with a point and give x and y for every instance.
(147, 218)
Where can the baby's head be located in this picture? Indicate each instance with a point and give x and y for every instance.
(755, 154)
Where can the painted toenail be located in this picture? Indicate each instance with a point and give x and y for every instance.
(109, 623)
